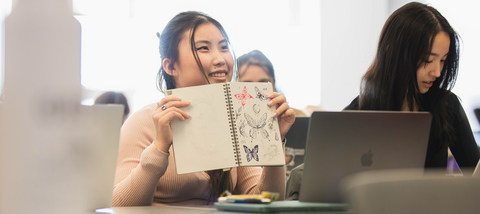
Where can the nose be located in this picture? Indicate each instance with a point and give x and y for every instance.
(218, 59)
(437, 70)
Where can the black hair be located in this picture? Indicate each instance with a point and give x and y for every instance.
(257, 58)
(111, 97)
(172, 35)
(405, 44)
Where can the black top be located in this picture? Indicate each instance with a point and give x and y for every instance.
(464, 148)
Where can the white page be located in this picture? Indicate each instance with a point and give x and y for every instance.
(203, 142)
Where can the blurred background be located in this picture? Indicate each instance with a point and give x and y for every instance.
(319, 49)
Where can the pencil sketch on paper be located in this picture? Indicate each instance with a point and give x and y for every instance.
(272, 152)
(257, 126)
(244, 96)
(256, 109)
(241, 129)
(251, 153)
(270, 126)
(260, 95)
(238, 113)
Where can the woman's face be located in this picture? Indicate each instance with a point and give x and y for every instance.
(430, 70)
(253, 73)
(213, 52)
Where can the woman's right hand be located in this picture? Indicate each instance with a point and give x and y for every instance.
(162, 118)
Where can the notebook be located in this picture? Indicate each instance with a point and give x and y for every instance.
(347, 142)
(230, 126)
(281, 206)
(296, 140)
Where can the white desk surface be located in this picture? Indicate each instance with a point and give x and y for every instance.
(191, 210)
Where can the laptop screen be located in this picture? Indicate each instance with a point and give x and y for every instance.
(343, 143)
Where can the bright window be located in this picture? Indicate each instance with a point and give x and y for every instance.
(120, 48)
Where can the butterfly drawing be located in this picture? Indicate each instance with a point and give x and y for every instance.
(238, 113)
(257, 126)
(242, 130)
(244, 96)
(260, 95)
(251, 153)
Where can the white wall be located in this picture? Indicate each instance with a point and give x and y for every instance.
(350, 31)
(120, 48)
(5, 8)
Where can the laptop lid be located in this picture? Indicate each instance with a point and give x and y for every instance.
(347, 142)
(63, 164)
(296, 140)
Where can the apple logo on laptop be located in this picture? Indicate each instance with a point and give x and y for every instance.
(366, 159)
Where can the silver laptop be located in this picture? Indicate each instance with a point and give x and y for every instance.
(62, 164)
(347, 142)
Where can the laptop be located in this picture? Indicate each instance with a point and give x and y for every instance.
(64, 163)
(296, 140)
(347, 142)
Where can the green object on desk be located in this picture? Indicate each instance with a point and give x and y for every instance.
(282, 206)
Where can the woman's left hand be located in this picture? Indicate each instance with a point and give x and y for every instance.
(284, 114)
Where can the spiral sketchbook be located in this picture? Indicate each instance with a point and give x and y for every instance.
(230, 126)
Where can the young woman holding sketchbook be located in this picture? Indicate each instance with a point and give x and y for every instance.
(415, 68)
(195, 50)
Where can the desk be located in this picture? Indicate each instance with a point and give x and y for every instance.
(191, 210)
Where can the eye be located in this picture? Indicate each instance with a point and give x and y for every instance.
(202, 48)
(225, 47)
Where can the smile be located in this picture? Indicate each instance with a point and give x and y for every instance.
(219, 74)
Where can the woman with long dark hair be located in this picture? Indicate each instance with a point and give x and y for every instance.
(414, 69)
(195, 50)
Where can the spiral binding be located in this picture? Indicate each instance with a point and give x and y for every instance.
(233, 128)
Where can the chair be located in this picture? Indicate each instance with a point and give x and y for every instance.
(399, 191)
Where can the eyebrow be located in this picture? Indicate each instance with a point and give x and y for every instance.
(208, 42)
(435, 54)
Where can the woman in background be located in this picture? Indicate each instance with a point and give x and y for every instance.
(415, 68)
(111, 97)
(195, 50)
(254, 66)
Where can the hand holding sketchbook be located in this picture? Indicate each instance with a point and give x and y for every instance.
(230, 126)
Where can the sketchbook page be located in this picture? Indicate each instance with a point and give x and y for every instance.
(257, 133)
(203, 142)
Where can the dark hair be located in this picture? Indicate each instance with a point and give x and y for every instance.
(169, 39)
(257, 58)
(111, 97)
(405, 44)
(171, 36)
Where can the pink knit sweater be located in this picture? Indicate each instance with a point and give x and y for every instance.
(146, 176)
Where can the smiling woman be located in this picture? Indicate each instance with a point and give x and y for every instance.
(211, 48)
(194, 50)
